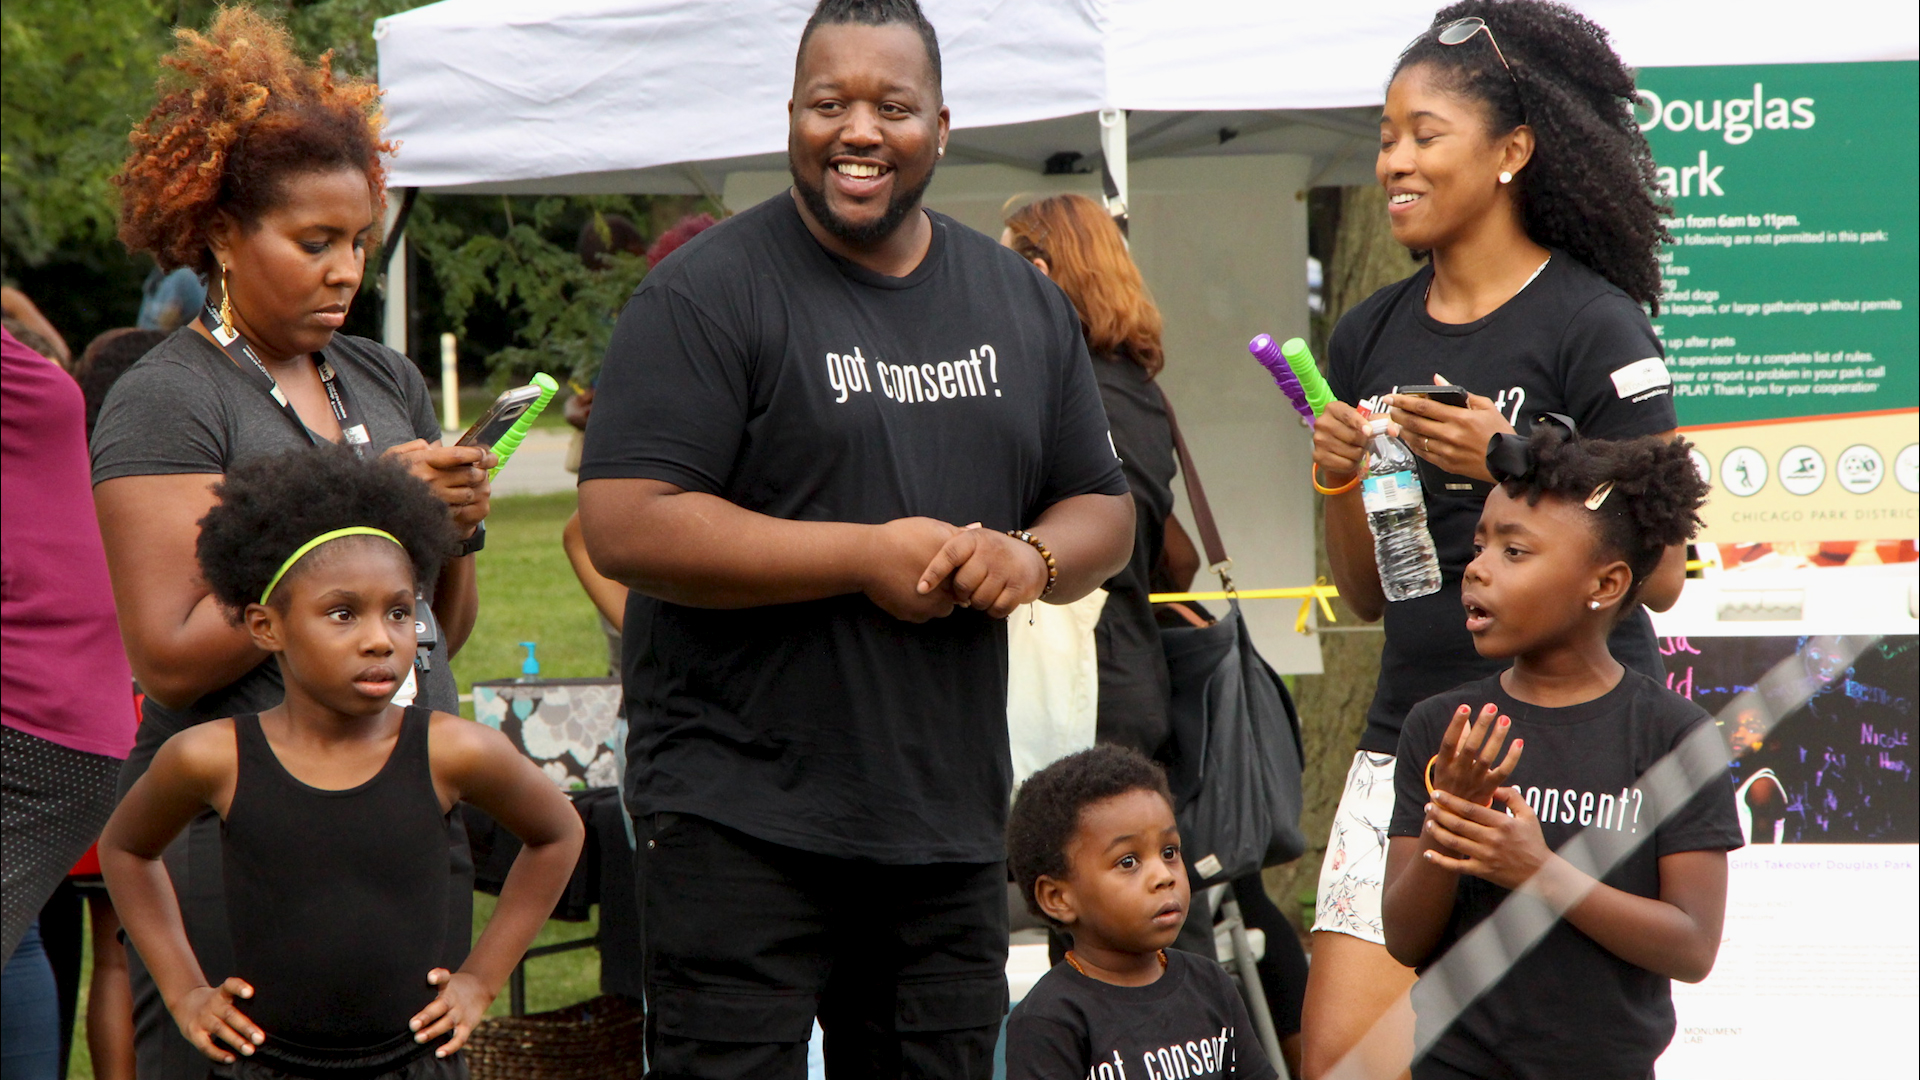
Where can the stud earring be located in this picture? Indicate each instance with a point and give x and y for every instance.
(1506, 177)
(226, 303)
(941, 152)
(1594, 604)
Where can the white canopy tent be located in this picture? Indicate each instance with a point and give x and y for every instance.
(668, 96)
(1213, 115)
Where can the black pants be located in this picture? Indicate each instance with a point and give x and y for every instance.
(748, 941)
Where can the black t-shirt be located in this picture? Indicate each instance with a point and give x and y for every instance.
(1190, 1022)
(1569, 1009)
(187, 408)
(755, 366)
(1570, 342)
(1134, 684)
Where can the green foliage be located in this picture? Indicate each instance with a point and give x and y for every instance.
(75, 77)
(522, 262)
(72, 81)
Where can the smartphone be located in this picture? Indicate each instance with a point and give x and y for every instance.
(500, 416)
(1455, 396)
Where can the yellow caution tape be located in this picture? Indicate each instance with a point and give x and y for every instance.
(1306, 594)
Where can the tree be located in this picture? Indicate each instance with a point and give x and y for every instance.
(73, 80)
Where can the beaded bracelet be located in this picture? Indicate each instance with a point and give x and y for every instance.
(1053, 568)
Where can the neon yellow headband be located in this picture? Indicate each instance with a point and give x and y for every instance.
(303, 550)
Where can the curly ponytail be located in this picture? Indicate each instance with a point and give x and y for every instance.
(1589, 189)
(1654, 503)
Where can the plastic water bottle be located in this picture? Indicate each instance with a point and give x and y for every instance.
(1397, 514)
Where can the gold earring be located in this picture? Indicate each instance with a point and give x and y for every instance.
(1506, 177)
(226, 303)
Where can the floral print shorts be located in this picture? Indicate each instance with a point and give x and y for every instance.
(1355, 871)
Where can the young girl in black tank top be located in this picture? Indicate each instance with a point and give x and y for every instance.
(334, 803)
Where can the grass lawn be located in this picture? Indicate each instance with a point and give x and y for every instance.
(527, 593)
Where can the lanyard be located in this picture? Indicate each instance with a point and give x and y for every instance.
(426, 626)
(237, 347)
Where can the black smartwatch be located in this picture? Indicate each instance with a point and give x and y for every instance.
(472, 543)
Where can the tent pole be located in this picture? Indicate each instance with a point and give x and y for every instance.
(394, 325)
(1113, 163)
(393, 269)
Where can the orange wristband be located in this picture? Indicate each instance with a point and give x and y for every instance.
(1313, 474)
(1435, 760)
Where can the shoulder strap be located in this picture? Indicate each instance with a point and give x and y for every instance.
(1216, 551)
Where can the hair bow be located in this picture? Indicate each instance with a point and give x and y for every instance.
(1510, 457)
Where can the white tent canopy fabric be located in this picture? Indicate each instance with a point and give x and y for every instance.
(669, 95)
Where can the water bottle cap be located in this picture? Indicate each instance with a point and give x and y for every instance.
(1377, 426)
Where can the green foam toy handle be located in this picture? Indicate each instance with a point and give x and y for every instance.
(1300, 359)
(511, 440)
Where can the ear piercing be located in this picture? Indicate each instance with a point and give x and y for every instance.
(1594, 604)
(1506, 177)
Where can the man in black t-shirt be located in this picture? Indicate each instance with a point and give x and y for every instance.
(816, 424)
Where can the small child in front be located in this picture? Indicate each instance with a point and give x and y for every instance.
(1094, 848)
(333, 803)
(1563, 546)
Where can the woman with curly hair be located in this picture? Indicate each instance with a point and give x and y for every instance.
(1511, 160)
(263, 173)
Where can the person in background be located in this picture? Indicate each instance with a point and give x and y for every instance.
(169, 301)
(109, 1022)
(107, 357)
(263, 173)
(31, 328)
(1073, 241)
(1509, 154)
(826, 496)
(609, 596)
(64, 684)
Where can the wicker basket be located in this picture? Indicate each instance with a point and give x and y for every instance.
(594, 1040)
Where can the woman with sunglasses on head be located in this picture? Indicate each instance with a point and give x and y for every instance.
(263, 173)
(1512, 162)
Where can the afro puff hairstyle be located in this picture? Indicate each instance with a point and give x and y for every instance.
(1589, 189)
(1046, 812)
(239, 112)
(271, 505)
(1654, 503)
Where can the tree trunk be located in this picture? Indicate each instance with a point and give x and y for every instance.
(1333, 705)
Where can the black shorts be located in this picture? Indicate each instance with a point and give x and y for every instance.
(748, 942)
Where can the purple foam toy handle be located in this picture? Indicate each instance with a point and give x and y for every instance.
(1267, 351)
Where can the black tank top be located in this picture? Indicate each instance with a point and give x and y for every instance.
(338, 904)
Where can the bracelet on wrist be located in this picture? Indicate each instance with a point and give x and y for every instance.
(472, 543)
(1431, 762)
(1053, 568)
(1313, 473)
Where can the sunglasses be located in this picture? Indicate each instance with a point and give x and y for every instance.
(1461, 31)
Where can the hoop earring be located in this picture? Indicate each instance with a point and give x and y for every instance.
(226, 303)
(1506, 177)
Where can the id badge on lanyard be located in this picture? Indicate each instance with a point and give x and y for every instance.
(352, 431)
